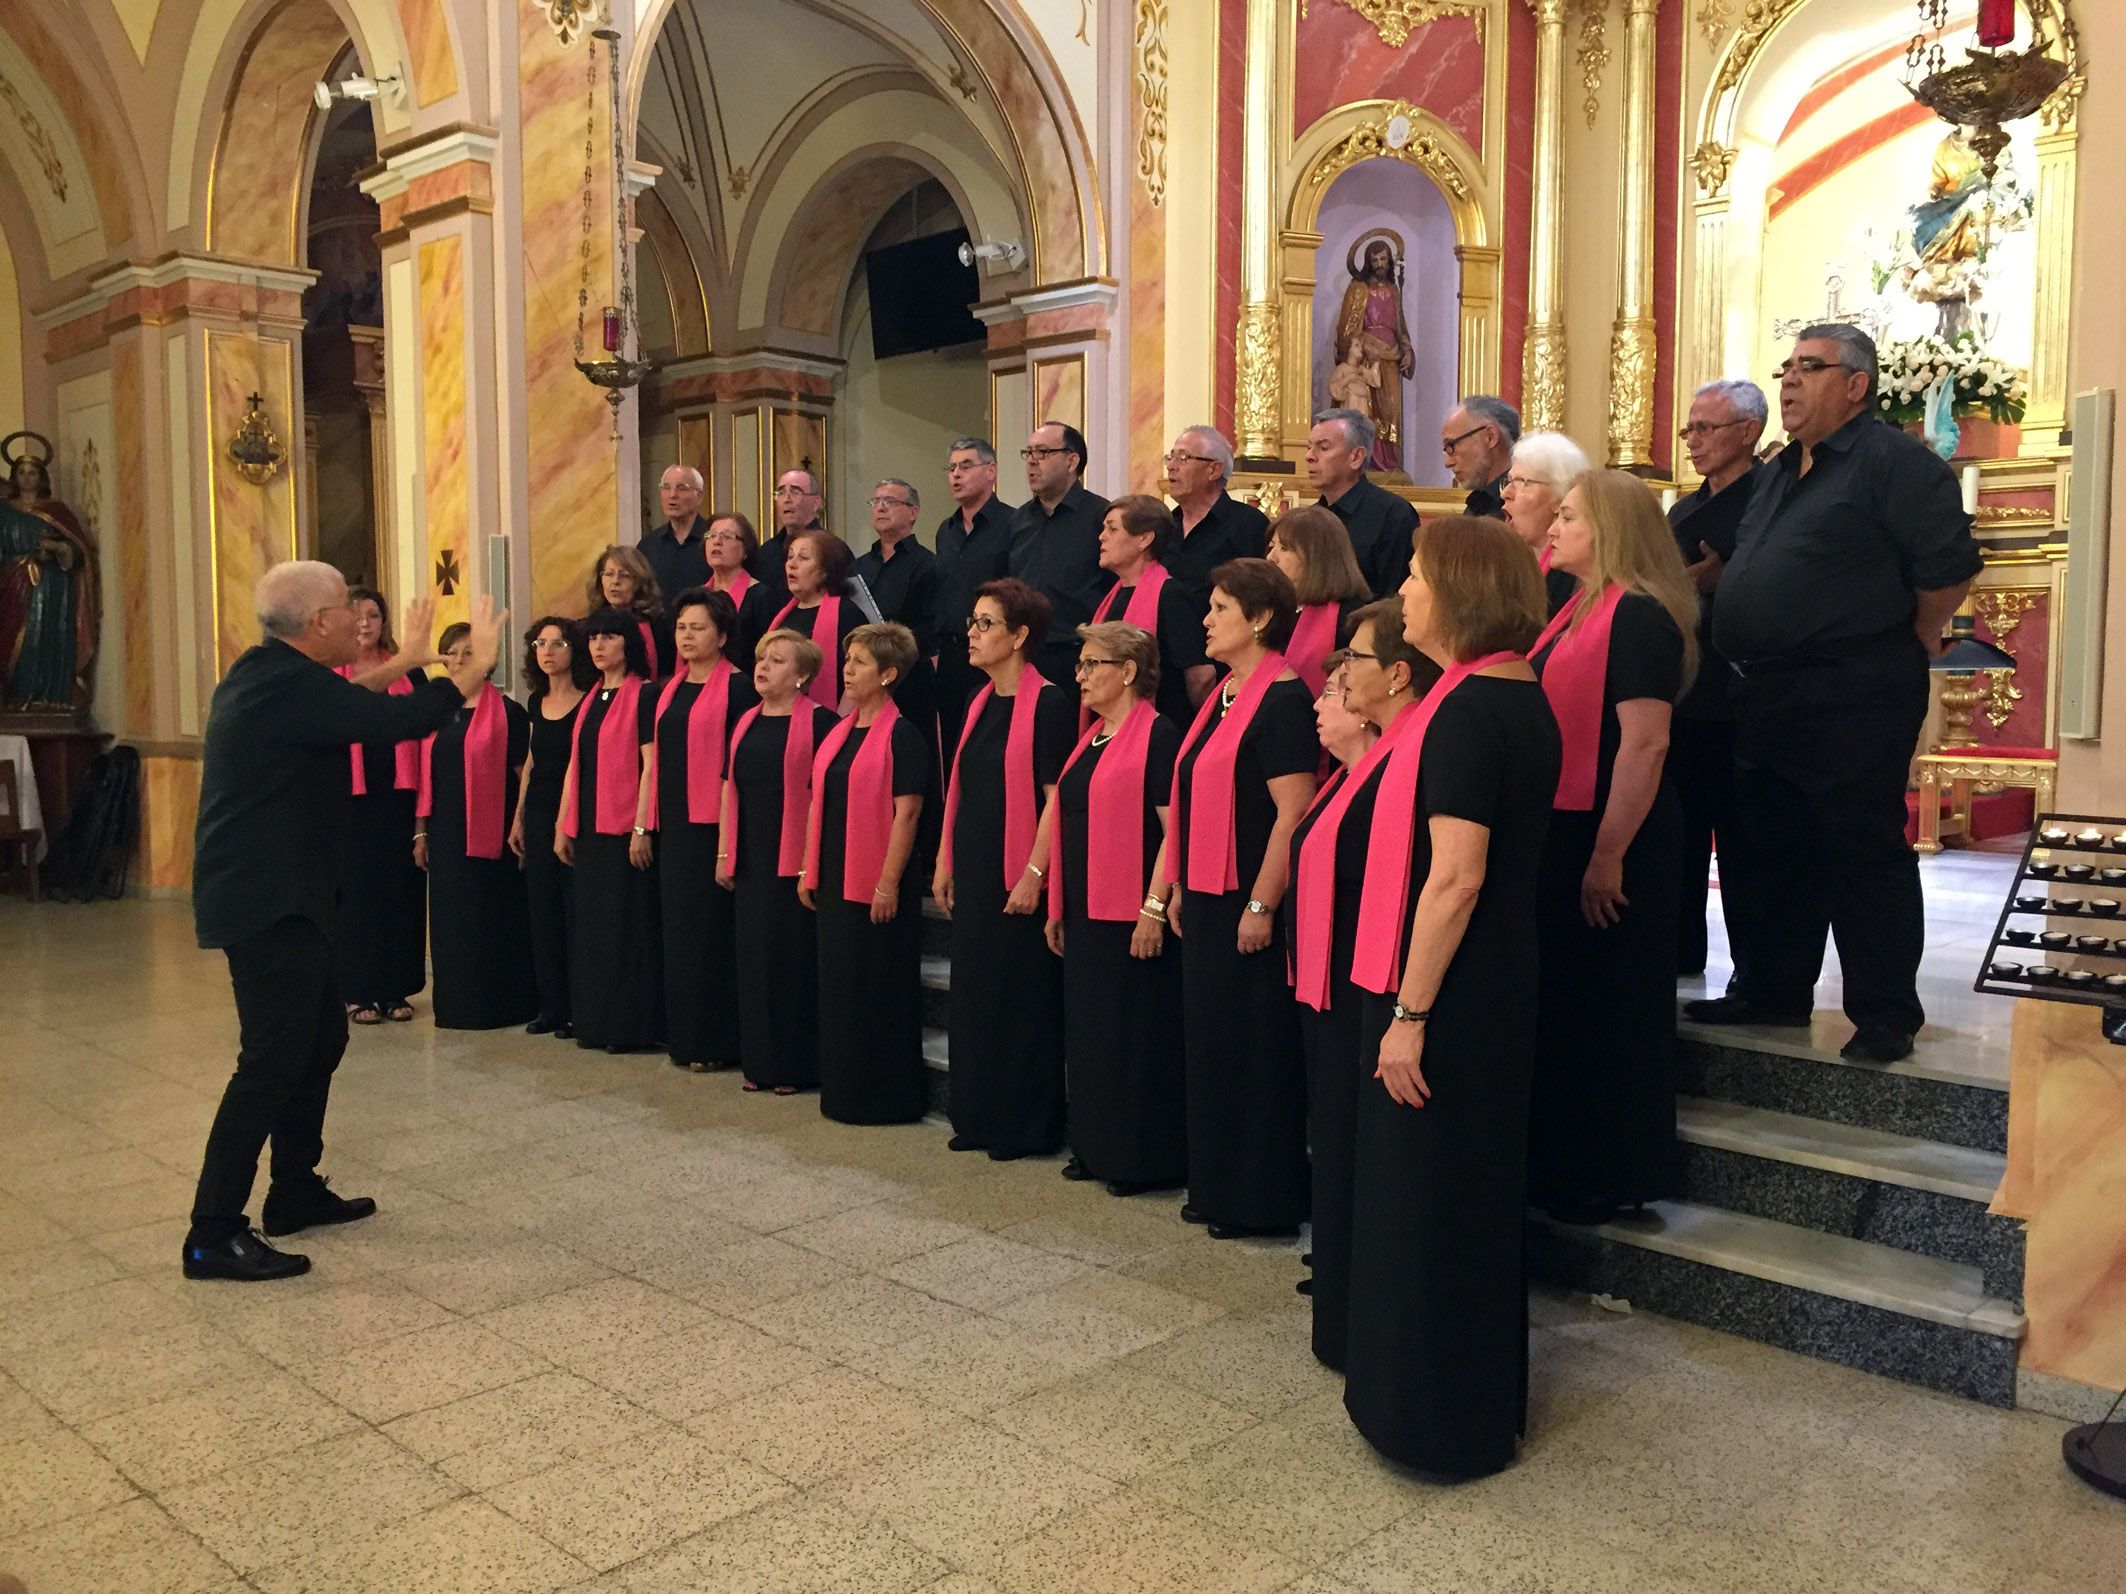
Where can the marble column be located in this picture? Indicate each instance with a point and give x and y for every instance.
(1632, 336)
(742, 419)
(1543, 352)
(1258, 340)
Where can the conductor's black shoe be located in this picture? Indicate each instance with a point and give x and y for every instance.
(1076, 1171)
(1130, 1187)
(542, 1026)
(564, 1031)
(1190, 1215)
(311, 1209)
(1871, 1044)
(245, 1257)
(1304, 1286)
(1741, 1010)
(962, 1143)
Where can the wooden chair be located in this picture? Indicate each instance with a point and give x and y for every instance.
(18, 846)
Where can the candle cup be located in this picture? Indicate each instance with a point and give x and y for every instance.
(2041, 973)
(2079, 871)
(2005, 971)
(2078, 976)
(612, 329)
(2052, 940)
(2092, 943)
(2020, 937)
(2105, 907)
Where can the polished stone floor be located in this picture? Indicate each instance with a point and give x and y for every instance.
(621, 1328)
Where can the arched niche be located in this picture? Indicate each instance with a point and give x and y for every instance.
(76, 190)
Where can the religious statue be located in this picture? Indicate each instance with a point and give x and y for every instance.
(48, 609)
(1943, 262)
(1372, 333)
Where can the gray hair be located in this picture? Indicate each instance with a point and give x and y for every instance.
(915, 499)
(691, 472)
(1746, 398)
(982, 449)
(1495, 412)
(1551, 458)
(1856, 350)
(1358, 431)
(290, 594)
(1216, 444)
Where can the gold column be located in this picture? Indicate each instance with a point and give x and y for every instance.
(1631, 338)
(2046, 412)
(1543, 354)
(1258, 338)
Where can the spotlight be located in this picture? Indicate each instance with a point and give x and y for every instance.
(1011, 255)
(391, 90)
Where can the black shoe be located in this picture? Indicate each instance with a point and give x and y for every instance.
(542, 1026)
(563, 1031)
(1871, 1044)
(961, 1143)
(1304, 1287)
(1130, 1187)
(1190, 1215)
(313, 1209)
(244, 1256)
(1306, 1259)
(1076, 1171)
(1581, 1214)
(1012, 1156)
(1741, 1010)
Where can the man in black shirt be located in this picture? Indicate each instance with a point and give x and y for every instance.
(678, 550)
(1477, 443)
(1853, 554)
(1381, 524)
(1726, 419)
(973, 546)
(272, 798)
(1055, 542)
(797, 506)
(1215, 526)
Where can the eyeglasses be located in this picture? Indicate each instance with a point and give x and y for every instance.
(551, 642)
(725, 536)
(1085, 667)
(791, 492)
(1177, 457)
(1806, 365)
(880, 503)
(1034, 451)
(983, 623)
(1448, 445)
(1704, 429)
(1353, 653)
(1521, 484)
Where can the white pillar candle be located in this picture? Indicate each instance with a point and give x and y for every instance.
(1971, 490)
(1668, 499)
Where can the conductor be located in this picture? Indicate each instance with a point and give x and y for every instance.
(273, 795)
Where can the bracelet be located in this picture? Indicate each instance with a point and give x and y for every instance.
(1155, 901)
(1146, 913)
(1037, 871)
(887, 891)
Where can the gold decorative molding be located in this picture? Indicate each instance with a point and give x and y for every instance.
(2002, 609)
(1593, 56)
(2058, 113)
(738, 180)
(1712, 162)
(1631, 392)
(2015, 515)
(1713, 18)
(1255, 379)
(1759, 17)
(569, 17)
(1543, 378)
(1396, 20)
(40, 141)
(1269, 498)
(1378, 140)
(1150, 57)
(958, 77)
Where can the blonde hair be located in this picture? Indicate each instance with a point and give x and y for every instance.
(1634, 548)
(803, 650)
(892, 647)
(1133, 645)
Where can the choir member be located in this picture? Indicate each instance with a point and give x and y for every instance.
(622, 579)
(616, 969)
(695, 712)
(1436, 1350)
(479, 928)
(559, 672)
(1361, 709)
(973, 546)
(1545, 464)
(379, 928)
(1603, 1120)
(1006, 1025)
(1243, 777)
(732, 542)
(816, 570)
(1138, 534)
(1314, 551)
(868, 780)
(767, 793)
(1214, 526)
(1107, 904)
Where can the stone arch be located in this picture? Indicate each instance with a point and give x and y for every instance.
(85, 194)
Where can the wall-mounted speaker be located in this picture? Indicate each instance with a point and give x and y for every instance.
(2088, 545)
(496, 585)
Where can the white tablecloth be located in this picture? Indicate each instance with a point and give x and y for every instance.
(15, 750)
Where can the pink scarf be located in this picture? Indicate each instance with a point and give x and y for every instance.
(1114, 823)
(825, 688)
(486, 752)
(619, 763)
(796, 787)
(1213, 865)
(1021, 800)
(741, 583)
(1378, 962)
(705, 749)
(1142, 610)
(870, 819)
(1542, 560)
(406, 756)
(649, 652)
(1573, 679)
(1314, 879)
(1312, 638)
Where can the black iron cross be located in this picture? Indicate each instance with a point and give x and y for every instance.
(447, 575)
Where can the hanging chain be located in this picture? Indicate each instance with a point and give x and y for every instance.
(590, 157)
(1924, 56)
(623, 209)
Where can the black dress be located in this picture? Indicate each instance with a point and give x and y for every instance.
(1121, 1015)
(755, 610)
(1180, 636)
(870, 991)
(1603, 1121)
(1436, 1353)
(549, 884)
(700, 920)
(480, 926)
(380, 924)
(1247, 1083)
(1330, 1039)
(617, 967)
(1007, 988)
(778, 942)
(802, 622)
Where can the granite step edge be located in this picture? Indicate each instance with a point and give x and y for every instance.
(1856, 1151)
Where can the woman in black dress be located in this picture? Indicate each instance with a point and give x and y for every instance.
(731, 542)
(767, 795)
(1244, 776)
(1138, 535)
(622, 579)
(559, 671)
(379, 932)
(479, 927)
(1312, 548)
(869, 777)
(1107, 905)
(1436, 1351)
(1603, 1121)
(817, 568)
(617, 968)
(695, 714)
(1006, 1024)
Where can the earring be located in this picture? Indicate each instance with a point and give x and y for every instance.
(1259, 630)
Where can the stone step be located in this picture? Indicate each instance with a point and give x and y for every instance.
(1869, 1306)
(1863, 1184)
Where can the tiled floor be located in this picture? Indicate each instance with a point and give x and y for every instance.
(619, 1328)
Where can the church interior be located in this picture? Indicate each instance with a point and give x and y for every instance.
(436, 291)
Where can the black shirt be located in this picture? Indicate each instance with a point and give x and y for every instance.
(1711, 518)
(1381, 526)
(1230, 529)
(1829, 562)
(1488, 502)
(766, 565)
(677, 565)
(905, 587)
(967, 557)
(273, 791)
(1057, 553)
(1179, 633)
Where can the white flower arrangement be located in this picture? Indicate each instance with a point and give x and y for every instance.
(1983, 384)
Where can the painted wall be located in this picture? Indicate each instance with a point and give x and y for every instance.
(13, 400)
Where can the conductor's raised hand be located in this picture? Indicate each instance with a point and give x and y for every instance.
(419, 631)
(486, 621)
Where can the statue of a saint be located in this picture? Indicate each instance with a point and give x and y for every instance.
(48, 608)
(1954, 230)
(1372, 319)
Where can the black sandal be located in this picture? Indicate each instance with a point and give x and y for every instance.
(365, 1014)
(399, 1013)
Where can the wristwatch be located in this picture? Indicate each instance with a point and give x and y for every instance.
(1256, 906)
(640, 831)
(1410, 1015)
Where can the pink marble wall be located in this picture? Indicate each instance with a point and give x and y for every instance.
(88, 114)
(1144, 437)
(1340, 57)
(129, 424)
(1671, 31)
(1520, 186)
(1231, 110)
(258, 165)
(253, 526)
(2030, 640)
(430, 60)
(445, 487)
